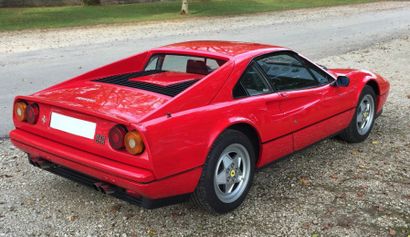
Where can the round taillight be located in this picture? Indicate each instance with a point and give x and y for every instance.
(20, 111)
(133, 143)
(116, 137)
(32, 112)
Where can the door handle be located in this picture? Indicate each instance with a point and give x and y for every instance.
(273, 99)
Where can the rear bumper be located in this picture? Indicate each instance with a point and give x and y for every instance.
(109, 189)
(135, 182)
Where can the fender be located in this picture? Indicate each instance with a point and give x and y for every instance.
(194, 137)
(225, 124)
(361, 78)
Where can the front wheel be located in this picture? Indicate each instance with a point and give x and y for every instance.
(363, 120)
(227, 174)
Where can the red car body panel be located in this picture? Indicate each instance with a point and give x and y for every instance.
(168, 78)
(179, 131)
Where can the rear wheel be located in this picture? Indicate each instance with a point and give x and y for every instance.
(227, 174)
(363, 120)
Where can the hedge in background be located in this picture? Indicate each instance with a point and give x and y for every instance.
(91, 2)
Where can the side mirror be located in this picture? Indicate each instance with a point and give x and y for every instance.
(342, 81)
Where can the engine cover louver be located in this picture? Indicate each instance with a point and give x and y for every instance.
(123, 80)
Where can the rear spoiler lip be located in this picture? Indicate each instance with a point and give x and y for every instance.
(112, 118)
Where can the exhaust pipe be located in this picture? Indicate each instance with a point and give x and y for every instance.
(104, 188)
(47, 165)
(40, 163)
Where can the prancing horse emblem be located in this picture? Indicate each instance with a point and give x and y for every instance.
(44, 119)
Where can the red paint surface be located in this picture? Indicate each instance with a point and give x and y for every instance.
(178, 132)
(168, 78)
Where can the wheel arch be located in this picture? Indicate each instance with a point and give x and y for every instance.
(373, 84)
(204, 194)
(247, 128)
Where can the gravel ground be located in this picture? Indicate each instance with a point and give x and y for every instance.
(330, 189)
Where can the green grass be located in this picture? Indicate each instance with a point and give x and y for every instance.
(69, 16)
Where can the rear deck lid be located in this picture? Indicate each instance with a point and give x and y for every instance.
(105, 99)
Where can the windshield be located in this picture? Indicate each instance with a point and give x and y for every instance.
(183, 63)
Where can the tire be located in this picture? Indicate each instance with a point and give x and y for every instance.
(211, 193)
(355, 133)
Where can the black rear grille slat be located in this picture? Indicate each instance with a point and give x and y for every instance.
(123, 80)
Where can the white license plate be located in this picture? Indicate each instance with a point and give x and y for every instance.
(72, 125)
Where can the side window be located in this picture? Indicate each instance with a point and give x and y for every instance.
(152, 64)
(322, 77)
(286, 72)
(251, 83)
(212, 64)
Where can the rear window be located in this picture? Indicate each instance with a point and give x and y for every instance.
(183, 63)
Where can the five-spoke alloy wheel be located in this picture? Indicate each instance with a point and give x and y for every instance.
(365, 114)
(227, 174)
(232, 173)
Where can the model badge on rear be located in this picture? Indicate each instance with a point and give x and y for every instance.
(100, 139)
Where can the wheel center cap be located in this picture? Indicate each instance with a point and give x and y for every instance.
(232, 173)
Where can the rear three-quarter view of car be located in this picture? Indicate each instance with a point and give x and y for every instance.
(192, 120)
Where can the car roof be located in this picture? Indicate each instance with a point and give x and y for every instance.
(227, 49)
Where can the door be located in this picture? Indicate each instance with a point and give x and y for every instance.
(263, 107)
(303, 92)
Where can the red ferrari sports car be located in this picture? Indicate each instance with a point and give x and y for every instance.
(192, 120)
